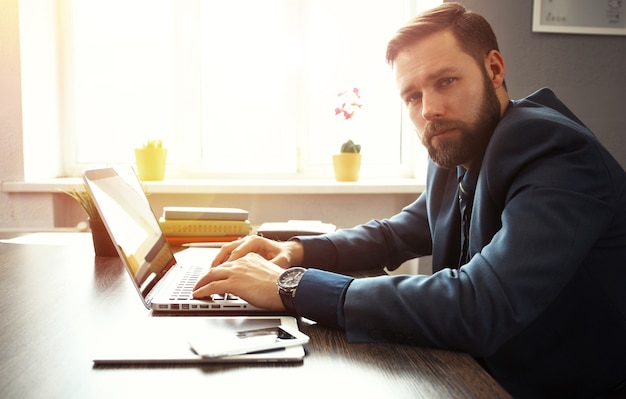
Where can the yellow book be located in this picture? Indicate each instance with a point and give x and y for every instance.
(182, 240)
(215, 228)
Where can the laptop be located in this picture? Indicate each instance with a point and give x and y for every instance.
(163, 283)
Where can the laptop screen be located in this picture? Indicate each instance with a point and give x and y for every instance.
(134, 229)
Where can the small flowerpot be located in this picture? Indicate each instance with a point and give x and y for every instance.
(150, 163)
(347, 166)
(102, 244)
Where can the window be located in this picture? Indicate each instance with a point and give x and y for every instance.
(232, 87)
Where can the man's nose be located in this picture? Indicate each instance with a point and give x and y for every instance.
(432, 106)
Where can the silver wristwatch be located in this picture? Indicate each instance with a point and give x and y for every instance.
(287, 284)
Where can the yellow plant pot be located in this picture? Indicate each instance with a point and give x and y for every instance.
(150, 163)
(347, 166)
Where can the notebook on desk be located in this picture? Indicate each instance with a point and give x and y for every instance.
(163, 283)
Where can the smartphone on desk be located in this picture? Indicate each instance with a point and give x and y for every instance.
(246, 341)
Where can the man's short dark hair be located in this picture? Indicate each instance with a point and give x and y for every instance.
(472, 31)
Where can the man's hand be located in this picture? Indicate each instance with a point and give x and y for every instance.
(252, 278)
(285, 254)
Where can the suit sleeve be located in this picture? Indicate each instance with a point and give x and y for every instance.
(376, 244)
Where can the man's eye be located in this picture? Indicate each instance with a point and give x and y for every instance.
(447, 81)
(413, 98)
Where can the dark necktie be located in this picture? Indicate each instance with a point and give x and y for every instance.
(467, 184)
(465, 206)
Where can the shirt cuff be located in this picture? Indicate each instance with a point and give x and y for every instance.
(320, 296)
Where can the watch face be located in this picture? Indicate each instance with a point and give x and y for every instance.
(291, 277)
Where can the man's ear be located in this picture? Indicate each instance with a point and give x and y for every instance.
(494, 64)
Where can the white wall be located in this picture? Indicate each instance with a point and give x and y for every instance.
(15, 210)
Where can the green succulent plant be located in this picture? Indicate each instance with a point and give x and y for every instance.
(350, 147)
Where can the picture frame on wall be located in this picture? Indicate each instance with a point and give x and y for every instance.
(590, 17)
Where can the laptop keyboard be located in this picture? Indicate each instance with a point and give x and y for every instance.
(184, 289)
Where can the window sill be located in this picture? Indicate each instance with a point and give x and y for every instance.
(234, 186)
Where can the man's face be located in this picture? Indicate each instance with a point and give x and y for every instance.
(450, 99)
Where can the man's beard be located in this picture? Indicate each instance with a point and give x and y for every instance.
(473, 138)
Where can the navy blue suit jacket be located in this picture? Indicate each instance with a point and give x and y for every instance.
(542, 302)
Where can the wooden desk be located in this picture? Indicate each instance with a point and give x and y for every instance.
(54, 298)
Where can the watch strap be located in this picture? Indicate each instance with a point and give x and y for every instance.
(288, 301)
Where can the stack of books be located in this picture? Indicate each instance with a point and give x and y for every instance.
(184, 225)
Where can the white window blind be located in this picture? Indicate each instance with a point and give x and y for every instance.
(232, 87)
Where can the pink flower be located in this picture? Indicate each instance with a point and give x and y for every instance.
(350, 102)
